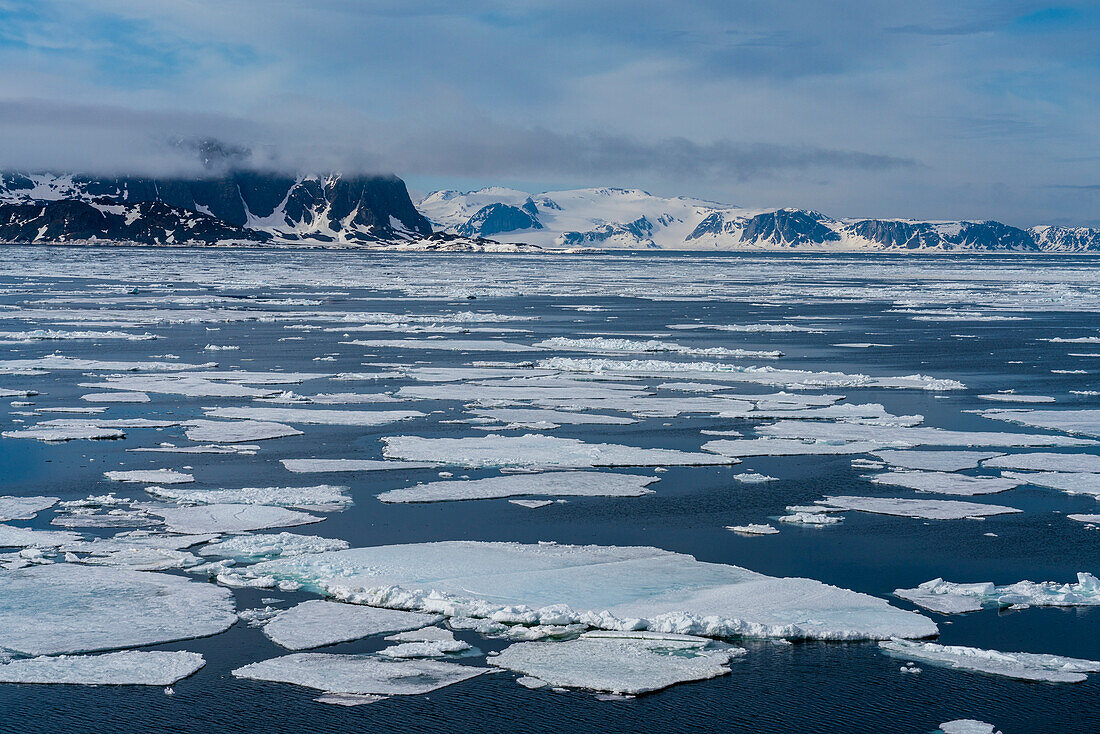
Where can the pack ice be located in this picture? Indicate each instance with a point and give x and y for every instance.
(606, 587)
(60, 608)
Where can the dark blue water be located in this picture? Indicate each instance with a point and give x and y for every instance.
(810, 687)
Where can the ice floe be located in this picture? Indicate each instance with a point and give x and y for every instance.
(909, 436)
(531, 416)
(605, 587)
(149, 476)
(939, 461)
(426, 649)
(359, 674)
(317, 622)
(322, 497)
(315, 416)
(924, 509)
(946, 482)
(550, 484)
(12, 537)
(1069, 482)
(311, 466)
(622, 663)
(237, 431)
(1018, 665)
(116, 397)
(1085, 421)
(265, 546)
(1011, 397)
(968, 726)
(786, 447)
(127, 668)
(605, 345)
(24, 508)
(231, 518)
(1046, 462)
(953, 598)
(753, 529)
(538, 450)
(449, 345)
(69, 608)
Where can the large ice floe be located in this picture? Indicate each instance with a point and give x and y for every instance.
(626, 663)
(939, 461)
(918, 508)
(231, 518)
(1046, 462)
(237, 431)
(1085, 421)
(322, 497)
(70, 608)
(605, 587)
(946, 597)
(316, 416)
(537, 450)
(1018, 665)
(317, 622)
(359, 674)
(549, 484)
(24, 508)
(946, 482)
(1068, 482)
(126, 668)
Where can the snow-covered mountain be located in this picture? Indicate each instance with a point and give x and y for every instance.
(609, 218)
(235, 206)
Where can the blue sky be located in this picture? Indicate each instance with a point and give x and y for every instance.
(933, 110)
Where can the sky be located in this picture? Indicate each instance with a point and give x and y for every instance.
(934, 110)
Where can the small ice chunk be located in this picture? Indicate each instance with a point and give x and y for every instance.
(1018, 665)
(946, 482)
(551, 484)
(128, 668)
(24, 508)
(425, 634)
(810, 518)
(231, 518)
(953, 598)
(150, 476)
(621, 663)
(359, 674)
(348, 699)
(316, 622)
(425, 649)
(967, 726)
(532, 504)
(751, 477)
(925, 509)
(307, 466)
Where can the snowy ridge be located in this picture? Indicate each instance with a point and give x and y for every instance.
(610, 218)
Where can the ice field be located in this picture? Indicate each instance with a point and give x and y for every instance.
(429, 492)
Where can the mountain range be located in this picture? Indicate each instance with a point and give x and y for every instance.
(331, 210)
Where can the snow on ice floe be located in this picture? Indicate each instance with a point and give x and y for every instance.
(321, 497)
(237, 431)
(605, 587)
(231, 518)
(1069, 482)
(605, 345)
(265, 546)
(69, 608)
(1046, 462)
(550, 484)
(163, 476)
(619, 662)
(946, 482)
(968, 726)
(1086, 421)
(954, 598)
(316, 416)
(311, 466)
(939, 461)
(449, 345)
(1018, 665)
(909, 436)
(24, 508)
(127, 668)
(790, 378)
(317, 622)
(116, 397)
(359, 674)
(923, 509)
(538, 450)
